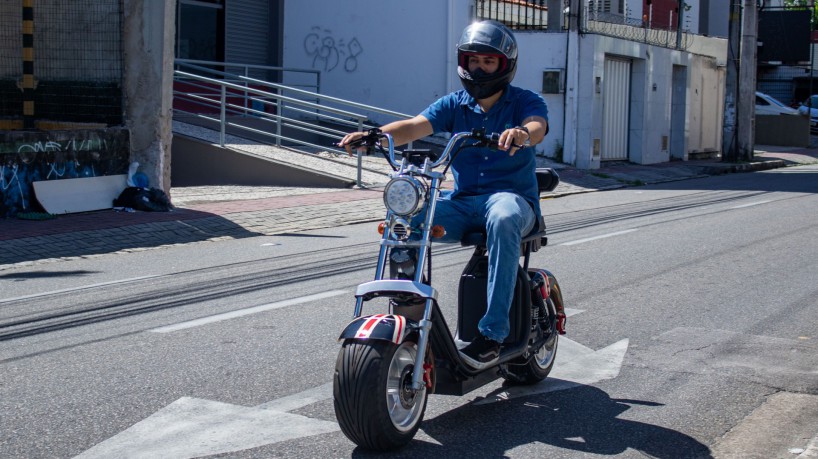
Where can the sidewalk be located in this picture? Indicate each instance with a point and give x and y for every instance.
(218, 213)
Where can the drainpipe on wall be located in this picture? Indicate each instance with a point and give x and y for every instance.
(571, 134)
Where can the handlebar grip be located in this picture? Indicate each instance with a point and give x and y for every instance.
(490, 140)
(370, 139)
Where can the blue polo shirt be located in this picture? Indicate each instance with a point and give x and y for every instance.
(483, 170)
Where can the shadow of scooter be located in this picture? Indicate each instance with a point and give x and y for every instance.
(583, 419)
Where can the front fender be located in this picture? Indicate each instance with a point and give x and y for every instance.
(386, 327)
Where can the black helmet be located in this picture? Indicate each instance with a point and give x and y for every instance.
(487, 37)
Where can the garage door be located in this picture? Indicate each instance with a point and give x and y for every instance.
(616, 109)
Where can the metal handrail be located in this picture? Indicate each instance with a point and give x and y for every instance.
(247, 67)
(290, 107)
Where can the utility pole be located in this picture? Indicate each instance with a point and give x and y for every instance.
(738, 141)
(747, 81)
(572, 57)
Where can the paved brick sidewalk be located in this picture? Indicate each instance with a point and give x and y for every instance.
(24, 243)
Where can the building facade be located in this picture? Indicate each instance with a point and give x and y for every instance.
(620, 98)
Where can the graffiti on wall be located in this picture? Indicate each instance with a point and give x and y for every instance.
(329, 53)
(24, 161)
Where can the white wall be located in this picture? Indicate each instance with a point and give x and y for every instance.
(690, 21)
(538, 52)
(706, 85)
(633, 9)
(401, 56)
(651, 109)
(393, 55)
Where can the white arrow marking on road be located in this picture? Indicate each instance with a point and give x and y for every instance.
(301, 399)
(191, 427)
(576, 365)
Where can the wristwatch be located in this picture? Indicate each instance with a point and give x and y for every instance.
(527, 142)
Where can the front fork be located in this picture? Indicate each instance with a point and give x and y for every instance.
(420, 371)
(424, 330)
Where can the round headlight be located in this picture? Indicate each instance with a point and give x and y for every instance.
(403, 196)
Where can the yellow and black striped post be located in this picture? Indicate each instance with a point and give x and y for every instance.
(28, 64)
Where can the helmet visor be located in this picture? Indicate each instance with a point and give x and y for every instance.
(488, 38)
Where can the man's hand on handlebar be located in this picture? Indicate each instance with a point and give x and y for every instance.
(352, 140)
(510, 139)
(360, 140)
(513, 139)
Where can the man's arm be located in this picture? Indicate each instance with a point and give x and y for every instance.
(402, 131)
(405, 131)
(536, 126)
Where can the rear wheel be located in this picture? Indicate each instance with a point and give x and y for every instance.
(374, 403)
(540, 364)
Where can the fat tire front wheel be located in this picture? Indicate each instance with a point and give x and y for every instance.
(373, 403)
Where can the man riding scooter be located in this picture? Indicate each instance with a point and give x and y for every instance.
(495, 193)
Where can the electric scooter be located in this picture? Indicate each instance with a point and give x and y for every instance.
(389, 363)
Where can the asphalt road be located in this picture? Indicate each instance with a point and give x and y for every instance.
(692, 334)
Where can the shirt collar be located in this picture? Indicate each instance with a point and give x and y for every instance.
(471, 102)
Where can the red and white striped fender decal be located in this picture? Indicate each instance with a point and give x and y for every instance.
(371, 324)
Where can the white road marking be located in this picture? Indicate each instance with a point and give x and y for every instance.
(74, 289)
(602, 236)
(191, 427)
(246, 312)
(751, 204)
(576, 365)
(299, 400)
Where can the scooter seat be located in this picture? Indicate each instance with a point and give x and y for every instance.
(547, 181)
(536, 236)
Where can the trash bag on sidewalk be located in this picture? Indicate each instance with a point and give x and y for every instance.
(146, 199)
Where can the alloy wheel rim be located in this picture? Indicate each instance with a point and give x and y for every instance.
(404, 406)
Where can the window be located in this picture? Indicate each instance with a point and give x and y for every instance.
(200, 30)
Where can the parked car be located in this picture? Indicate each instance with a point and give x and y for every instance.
(810, 106)
(768, 105)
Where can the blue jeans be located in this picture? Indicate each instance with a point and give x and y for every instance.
(507, 217)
